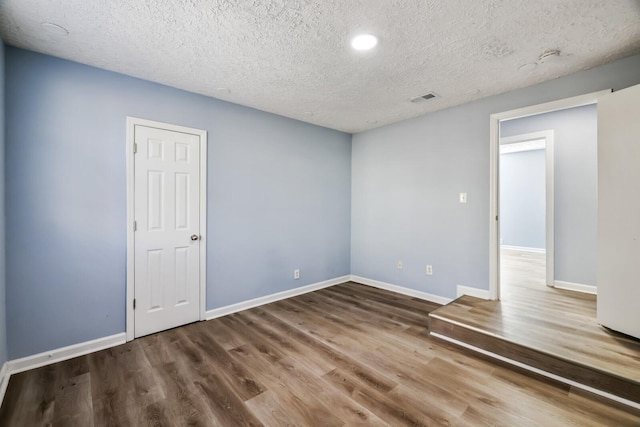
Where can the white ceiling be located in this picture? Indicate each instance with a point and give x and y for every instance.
(293, 57)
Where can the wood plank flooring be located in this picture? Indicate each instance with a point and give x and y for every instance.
(342, 356)
(558, 326)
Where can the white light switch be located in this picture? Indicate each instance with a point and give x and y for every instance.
(463, 197)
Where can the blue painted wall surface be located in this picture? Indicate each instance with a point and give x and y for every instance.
(406, 178)
(523, 199)
(3, 306)
(278, 198)
(575, 187)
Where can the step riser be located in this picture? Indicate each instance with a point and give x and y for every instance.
(625, 389)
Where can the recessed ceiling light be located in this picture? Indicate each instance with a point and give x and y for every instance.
(55, 28)
(364, 42)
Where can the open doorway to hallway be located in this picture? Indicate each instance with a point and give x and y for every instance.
(526, 210)
(545, 196)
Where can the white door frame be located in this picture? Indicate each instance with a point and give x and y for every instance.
(547, 135)
(130, 288)
(494, 162)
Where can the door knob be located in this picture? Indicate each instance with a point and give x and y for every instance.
(194, 237)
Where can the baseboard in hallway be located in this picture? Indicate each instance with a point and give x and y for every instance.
(523, 249)
(578, 287)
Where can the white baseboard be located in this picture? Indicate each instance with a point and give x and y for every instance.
(587, 289)
(401, 290)
(64, 353)
(524, 249)
(245, 305)
(4, 381)
(539, 371)
(473, 292)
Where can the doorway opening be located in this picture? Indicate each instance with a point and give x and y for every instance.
(501, 138)
(526, 210)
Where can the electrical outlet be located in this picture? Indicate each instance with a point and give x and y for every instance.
(400, 265)
(429, 270)
(463, 197)
(296, 274)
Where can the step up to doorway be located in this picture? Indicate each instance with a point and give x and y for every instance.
(583, 354)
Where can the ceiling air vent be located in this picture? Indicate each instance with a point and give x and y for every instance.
(423, 98)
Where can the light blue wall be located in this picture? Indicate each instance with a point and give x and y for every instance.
(522, 199)
(575, 187)
(406, 178)
(3, 306)
(278, 198)
(280, 195)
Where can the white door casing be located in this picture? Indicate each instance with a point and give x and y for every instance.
(166, 266)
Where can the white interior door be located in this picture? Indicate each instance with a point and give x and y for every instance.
(619, 211)
(167, 229)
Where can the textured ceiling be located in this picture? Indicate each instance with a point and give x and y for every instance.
(293, 57)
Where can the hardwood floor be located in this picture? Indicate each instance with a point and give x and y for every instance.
(520, 270)
(345, 355)
(553, 329)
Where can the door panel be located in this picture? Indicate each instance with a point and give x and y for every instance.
(182, 201)
(619, 211)
(167, 209)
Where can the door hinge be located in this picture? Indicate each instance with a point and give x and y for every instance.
(134, 303)
(496, 217)
(135, 225)
(135, 148)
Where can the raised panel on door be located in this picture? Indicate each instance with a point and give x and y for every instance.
(182, 181)
(154, 286)
(167, 206)
(155, 202)
(182, 275)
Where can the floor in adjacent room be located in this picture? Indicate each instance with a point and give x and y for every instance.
(345, 355)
